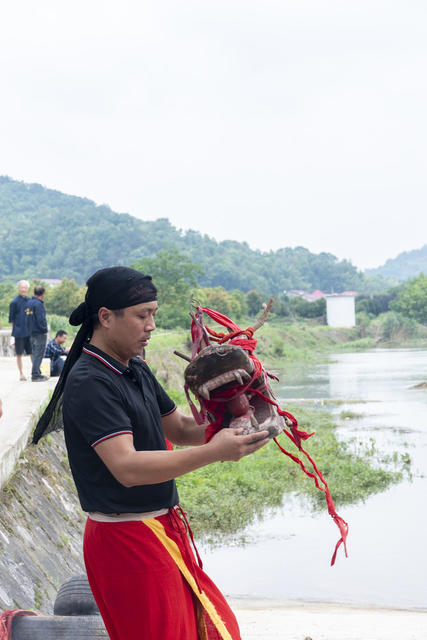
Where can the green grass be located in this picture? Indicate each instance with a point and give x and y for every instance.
(223, 498)
(302, 341)
(350, 415)
(166, 366)
(359, 345)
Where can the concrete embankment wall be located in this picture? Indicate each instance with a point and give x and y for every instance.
(40, 519)
(41, 527)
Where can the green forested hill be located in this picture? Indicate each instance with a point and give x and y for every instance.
(47, 234)
(408, 264)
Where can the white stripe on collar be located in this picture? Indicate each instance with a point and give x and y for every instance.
(108, 364)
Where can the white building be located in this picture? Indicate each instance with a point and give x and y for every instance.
(341, 309)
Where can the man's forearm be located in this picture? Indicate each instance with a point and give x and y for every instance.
(151, 467)
(192, 434)
(183, 430)
(131, 467)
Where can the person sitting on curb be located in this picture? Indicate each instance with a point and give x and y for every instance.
(54, 351)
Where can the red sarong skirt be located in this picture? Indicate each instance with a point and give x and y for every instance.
(148, 586)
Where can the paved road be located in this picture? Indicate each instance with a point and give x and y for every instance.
(21, 403)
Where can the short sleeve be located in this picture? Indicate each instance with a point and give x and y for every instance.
(96, 408)
(166, 404)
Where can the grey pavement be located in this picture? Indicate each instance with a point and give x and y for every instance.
(21, 403)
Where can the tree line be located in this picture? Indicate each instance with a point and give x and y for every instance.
(176, 278)
(48, 234)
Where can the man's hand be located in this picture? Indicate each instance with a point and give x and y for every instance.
(230, 445)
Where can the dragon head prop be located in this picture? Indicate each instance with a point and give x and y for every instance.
(232, 389)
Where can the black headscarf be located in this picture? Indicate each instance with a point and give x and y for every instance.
(113, 288)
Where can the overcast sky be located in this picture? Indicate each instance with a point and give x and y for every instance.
(278, 122)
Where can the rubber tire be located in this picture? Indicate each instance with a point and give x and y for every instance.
(58, 628)
(75, 598)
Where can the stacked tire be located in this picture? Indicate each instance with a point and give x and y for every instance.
(76, 616)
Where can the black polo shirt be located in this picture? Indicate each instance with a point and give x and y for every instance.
(103, 399)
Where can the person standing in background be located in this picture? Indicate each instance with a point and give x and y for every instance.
(19, 318)
(38, 332)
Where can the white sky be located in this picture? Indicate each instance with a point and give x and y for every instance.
(278, 122)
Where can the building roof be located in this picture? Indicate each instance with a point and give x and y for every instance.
(51, 281)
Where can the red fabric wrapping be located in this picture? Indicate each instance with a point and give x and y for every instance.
(220, 318)
(142, 592)
(6, 621)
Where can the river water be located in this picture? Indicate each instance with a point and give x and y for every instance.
(287, 554)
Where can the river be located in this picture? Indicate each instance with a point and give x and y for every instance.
(287, 554)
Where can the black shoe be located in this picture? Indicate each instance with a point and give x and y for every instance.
(39, 379)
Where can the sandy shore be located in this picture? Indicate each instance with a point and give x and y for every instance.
(294, 621)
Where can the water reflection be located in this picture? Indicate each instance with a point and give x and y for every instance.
(288, 554)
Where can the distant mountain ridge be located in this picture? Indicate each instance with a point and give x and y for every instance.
(46, 233)
(406, 265)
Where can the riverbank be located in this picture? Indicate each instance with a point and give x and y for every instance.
(224, 498)
(286, 554)
(281, 343)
